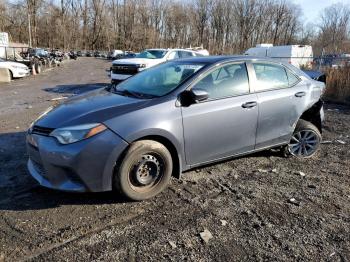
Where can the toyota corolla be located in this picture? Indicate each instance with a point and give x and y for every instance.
(182, 114)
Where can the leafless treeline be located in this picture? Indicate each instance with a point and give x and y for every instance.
(222, 26)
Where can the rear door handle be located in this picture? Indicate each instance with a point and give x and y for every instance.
(250, 104)
(300, 94)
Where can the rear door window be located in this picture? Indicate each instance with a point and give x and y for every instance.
(270, 76)
(292, 79)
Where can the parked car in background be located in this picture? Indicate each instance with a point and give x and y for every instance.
(17, 70)
(97, 54)
(38, 52)
(114, 54)
(332, 60)
(316, 75)
(73, 55)
(17, 55)
(128, 54)
(173, 117)
(81, 53)
(88, 54)
(300, 56)
(56, 53)
(199, 51)
(124, 68)
(21, 60)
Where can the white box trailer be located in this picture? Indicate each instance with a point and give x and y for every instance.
(4, 42)
(297, 55)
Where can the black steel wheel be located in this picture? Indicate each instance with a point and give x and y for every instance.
(145, 170)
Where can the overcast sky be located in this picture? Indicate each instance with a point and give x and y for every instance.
(312, 8)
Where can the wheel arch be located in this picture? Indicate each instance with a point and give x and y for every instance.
(11, 74)
(176, 157)
(172, 149)
(313, 115)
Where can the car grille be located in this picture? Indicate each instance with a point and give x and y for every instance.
(44, 131)
(124, 69)
(73, 177)
(39, 168)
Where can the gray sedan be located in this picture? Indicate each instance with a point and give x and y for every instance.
(182, 114)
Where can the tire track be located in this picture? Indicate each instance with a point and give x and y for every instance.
(56, 246)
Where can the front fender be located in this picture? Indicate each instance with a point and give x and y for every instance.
(163, 120)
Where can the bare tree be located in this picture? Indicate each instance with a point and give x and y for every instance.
(222, 26)
(334, 27)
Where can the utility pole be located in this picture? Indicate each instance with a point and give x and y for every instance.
(29, 27)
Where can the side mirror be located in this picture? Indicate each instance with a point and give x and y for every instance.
(193, 96)
(199, 94)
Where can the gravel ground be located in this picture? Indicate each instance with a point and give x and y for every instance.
(244, 205)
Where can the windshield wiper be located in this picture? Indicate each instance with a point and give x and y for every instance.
(143, 95)
(125, 92)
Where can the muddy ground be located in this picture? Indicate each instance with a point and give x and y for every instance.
(244, 203)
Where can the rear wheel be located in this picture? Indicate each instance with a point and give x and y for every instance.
(145, 170)
(305, 141)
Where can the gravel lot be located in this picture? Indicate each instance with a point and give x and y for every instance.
(244, 203)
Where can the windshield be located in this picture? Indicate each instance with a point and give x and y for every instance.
(152, 54)
(159, 80)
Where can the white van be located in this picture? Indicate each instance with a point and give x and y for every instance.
(297, 55)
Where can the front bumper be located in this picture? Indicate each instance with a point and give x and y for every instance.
(87, 165)
(21, 73)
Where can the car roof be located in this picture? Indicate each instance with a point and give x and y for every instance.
(224, 58)
(171, 49)
(156, 49)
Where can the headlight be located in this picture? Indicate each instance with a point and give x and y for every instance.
(141, 65)
(71, 134)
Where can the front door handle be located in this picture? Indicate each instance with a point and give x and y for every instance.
(300, 94)
(250, 104)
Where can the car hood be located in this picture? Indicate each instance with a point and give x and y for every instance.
(92, 107)
(8, 64)
(137, 61)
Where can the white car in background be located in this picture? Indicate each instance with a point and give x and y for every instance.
(17, 70)
(124, 68)
(114, 54)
